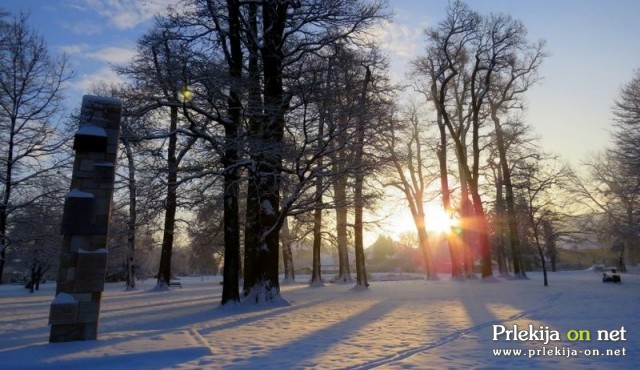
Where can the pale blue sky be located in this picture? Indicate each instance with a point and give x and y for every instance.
(594, 47)
(593, 44)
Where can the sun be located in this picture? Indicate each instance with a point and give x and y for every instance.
(437, 220)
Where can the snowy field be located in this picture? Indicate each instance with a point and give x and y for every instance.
(407, 324)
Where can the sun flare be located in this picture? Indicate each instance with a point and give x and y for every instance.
(436, 220)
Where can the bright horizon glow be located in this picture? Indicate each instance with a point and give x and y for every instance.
(436, 221)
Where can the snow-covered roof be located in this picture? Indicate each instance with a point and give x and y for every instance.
(91, 130)
(75, 193)
(64, 298)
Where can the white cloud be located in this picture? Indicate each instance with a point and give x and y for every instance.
(108, 54)
(125, 14)
(86, 28)
(74, 50)
(102, 76)
(113, 54)
(399, 40)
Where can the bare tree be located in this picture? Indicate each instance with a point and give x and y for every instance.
(515, 63)
(408, 147)
(626, 149)
(162, 69)
(627, 122)
(478, 68)
(35, 233)
(541, 180)
(322, 23)
(31, 85)
(268, 40)
(612, 193)
(206, 243)
(457, 53)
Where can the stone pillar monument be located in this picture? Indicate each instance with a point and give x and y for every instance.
(75, 310)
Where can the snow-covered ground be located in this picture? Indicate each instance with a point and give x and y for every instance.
(408, 324)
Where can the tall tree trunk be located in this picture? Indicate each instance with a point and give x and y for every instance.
(266, 286)
(445, 192)
(499, 226)
(480, 218)
(480, 222)
(540, 249)
(550, 244)
(132, 222)
(340, 193)
(512, 216)
(231, 267)
(4, 206)
(3, 238)
(164, 272)
(340, 199)
(467, 236)
(423, 239)
(361, 271)
(316, 270)
(287, 254)
(255, 113)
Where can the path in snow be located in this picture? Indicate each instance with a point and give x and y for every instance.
(397, 357)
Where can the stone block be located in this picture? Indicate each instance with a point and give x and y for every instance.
(90, 271)
(99, 229)
(78, 242)
(86, 165)
(102, 206)
(104, 172)
(83, 174)
(85, 222)
(82, 298)
(78, 213)
(64, 333)
(71, 273)
(63, 310)
(90, 331)
(90, 138)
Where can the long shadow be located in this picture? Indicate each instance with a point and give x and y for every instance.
(173, 303)
(41, 316)
(269, 312)
(318, 342)
(165, 320)
(480, 317)
(113, 296)
(53, 358)
(203, 315)
(175, 306)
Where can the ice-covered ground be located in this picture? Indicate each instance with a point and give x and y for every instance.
(408, 324)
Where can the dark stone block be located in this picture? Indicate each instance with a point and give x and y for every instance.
(78, 215)
(63, 310)
(90, 272)
(104, 172)
(90, 138)
(100, 229)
